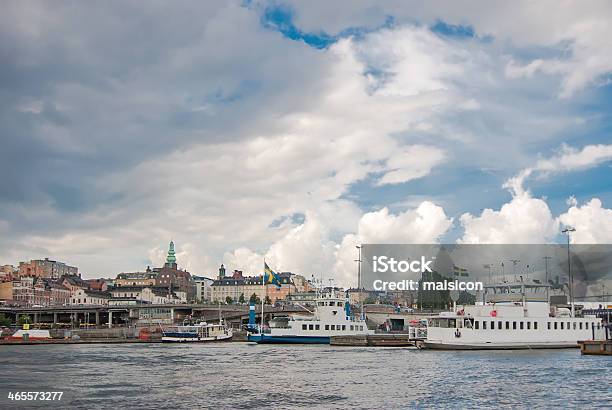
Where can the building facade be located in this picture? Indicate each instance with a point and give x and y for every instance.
(203, 288)
(46, 268)
(86, 297)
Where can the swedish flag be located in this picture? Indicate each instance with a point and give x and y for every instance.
(271, 277)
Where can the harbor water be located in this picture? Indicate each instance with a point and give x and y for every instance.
(242, 375)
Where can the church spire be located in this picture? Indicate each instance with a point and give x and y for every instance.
(171, 258)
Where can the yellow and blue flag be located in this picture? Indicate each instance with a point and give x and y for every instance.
(271, 277)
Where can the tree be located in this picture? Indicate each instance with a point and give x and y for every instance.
(267, 300)
(254, 299)
(23, 319)
(241, 298)
(5, 321)
(229, 300)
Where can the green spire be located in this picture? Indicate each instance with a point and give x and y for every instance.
(171, 258)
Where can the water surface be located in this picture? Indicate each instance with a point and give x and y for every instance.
(242, 375)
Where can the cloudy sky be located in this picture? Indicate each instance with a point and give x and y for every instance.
(297, 130)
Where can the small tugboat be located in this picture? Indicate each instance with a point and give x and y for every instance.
(200, 332)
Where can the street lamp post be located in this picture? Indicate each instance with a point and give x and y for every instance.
(567, 231)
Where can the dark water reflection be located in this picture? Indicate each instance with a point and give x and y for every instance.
(240, 375)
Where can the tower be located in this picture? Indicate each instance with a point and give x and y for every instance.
(171, 258)
(221, 272)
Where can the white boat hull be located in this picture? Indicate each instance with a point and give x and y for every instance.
(176, 339)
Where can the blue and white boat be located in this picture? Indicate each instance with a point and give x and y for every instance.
(201, 332)
(331, 317)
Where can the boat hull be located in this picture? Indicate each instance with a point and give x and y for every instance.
(186, 339)
(496, 346)
(263, 339)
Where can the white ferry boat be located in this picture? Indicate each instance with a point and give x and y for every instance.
(331, 317)
(201, 332)
(513, 316)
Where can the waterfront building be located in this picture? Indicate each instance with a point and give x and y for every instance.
(46, 268)
(203, 288)
(72, 283)
(173, 278)
(100, 285)
(146, 278)
(7, 272)
(236, 285)
(89, 297)
(145, 294)
(6, 292)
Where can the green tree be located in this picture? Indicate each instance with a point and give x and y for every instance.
(241, 298)
(267, 300)
(23, 319)
(254, 299)
(5, 321)
(229, 300)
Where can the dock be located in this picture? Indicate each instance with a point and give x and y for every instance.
(378, 340)
(596, 347)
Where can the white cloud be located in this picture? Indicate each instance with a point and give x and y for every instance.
(423, 224)
(567, 159)
(522, 220)
(593, 222)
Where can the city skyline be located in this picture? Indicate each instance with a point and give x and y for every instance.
(246, 130)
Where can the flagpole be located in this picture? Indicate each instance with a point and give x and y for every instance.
(263, 282)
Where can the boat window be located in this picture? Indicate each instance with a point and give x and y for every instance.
(513, 325)
(555, 325)
(352, 327)
(326, 327)
(484, 325)
(310, 327)
(522, 325)
(561, 325)
(303, 327)
(477, 325)
(586, 325)
(580, 326)
(317, 327)
(507, 325)
(343, 327)
(528, 325)
(535, 325)
(340, 304)
(321, 303)
(492, 325)
(469, 323)
(574, 325)
(548, 325)
(333, 327)
(360, 327)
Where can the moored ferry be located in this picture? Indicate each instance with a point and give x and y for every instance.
(514, 316)
(331, 317)
(201, 332)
